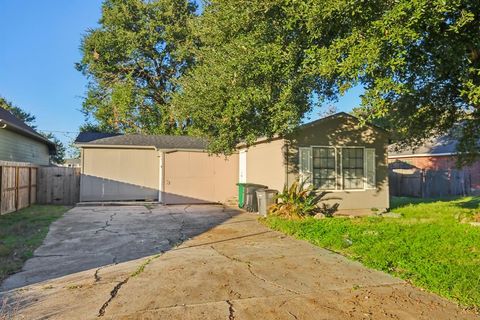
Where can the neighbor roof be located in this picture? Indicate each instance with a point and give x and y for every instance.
(157, 141)
(442, 145)
(17, 125)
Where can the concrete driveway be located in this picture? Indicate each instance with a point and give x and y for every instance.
(226, 266)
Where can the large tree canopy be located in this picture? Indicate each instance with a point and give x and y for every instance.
(132, 60)
(248, 80)
(263, 64)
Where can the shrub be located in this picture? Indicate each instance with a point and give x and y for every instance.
(299, 201)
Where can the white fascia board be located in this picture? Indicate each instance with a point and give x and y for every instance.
(113, 146)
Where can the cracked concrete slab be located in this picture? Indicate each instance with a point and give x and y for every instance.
(229, 267)
(91, 237)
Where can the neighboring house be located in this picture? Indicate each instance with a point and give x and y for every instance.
(439, 154)
(21, 143)
(335, 153)
(72, 163)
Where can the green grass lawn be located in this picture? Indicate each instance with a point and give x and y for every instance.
(22, 232)
(429, 245)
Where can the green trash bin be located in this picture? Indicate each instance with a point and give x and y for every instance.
(241, 194)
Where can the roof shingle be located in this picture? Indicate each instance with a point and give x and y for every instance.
(157, 141)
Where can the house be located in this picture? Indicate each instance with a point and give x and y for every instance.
(437, 156)
(336, 154)
(21, 143)
(71, 163)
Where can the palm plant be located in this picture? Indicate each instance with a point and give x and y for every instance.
(299, 201)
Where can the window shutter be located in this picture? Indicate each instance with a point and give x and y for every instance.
(370, 168)
(305, 164)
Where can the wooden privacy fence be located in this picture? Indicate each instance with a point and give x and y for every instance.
(58, 185)
(22, 184)
(18, 186)
(429, 183)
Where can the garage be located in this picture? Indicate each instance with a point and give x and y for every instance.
(168, 169)
(196, 177)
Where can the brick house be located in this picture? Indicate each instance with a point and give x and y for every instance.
(437, 154)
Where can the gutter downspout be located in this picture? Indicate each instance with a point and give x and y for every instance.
(161, 176)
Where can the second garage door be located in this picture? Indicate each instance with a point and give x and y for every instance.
(196, 177)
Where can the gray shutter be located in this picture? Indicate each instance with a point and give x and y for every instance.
(370, 168)
(305, 164)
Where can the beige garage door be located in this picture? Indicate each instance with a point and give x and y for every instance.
(196, 177)
(119, 174)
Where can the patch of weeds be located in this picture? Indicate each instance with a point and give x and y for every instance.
(74, 286)
(141, 267)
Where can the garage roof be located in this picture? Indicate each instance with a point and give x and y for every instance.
(157, 141)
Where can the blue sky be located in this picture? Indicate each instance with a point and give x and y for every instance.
(39, 45)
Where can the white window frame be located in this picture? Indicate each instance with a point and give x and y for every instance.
(364, 167)
(336, 167)
(339, 187)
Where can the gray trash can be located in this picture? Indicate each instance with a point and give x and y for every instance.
(251, 203)
(266, 197)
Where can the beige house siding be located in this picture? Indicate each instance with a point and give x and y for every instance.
(18, 148)
(119, 174)
(266, 164)
(196, 177)
(274, 163)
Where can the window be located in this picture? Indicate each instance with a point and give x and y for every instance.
(324, 173)
(353, 168)
(338, 168)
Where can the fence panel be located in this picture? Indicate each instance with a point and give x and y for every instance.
(9, 190)
(16, 186)
(58, 185)
(429, 183)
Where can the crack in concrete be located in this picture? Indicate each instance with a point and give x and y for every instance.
(181, 230)
(231, 310)
(113, 294)
(49, 255)
(96, 276)
(107, 224)
(249, 267)
(142, 266)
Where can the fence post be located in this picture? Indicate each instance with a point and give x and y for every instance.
(16, 187)
(1, 189)
(29, 186)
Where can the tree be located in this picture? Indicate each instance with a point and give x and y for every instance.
(59, 156)
(264, 64)
(132, 60)
(248, 79)
(419, 62)
(21, 114)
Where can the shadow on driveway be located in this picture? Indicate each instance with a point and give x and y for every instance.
(92, 237)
